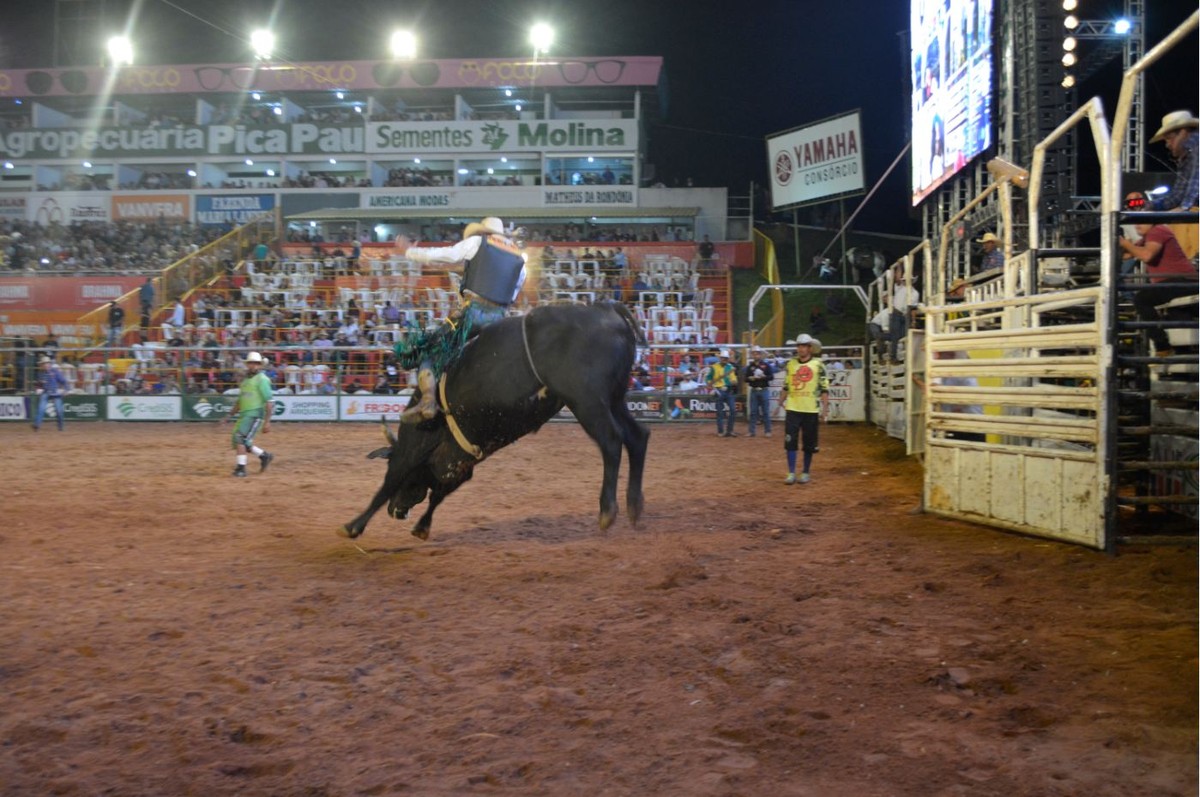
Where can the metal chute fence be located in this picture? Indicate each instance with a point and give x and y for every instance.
(352, 383)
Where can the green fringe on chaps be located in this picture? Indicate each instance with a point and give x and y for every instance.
(440, 347)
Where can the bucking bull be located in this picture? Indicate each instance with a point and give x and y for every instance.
(510, 379)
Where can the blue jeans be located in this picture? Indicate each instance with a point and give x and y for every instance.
(760, 407)
(43, 400)
(726, 410)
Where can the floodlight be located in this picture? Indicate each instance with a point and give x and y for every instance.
(120, 50)
(1069, 43)
(541, 36)
(263, 42)
(1000, 169)
(1071, 22)
(1122, 26)
(1069, 59)
(1069, 5)
(404, 44)
(1068, 81)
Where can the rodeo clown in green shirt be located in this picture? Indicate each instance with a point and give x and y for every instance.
(254, 410)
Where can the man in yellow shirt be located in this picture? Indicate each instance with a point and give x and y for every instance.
(721, 378)
(806, 388)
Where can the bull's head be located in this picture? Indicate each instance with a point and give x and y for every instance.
(423, 460)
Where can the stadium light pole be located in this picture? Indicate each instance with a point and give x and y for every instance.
(541, 36)
(263, 42)
(120, 51)
(403, 44)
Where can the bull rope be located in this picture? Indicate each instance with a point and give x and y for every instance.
(459, 437)
(529, 354)
(455, 429)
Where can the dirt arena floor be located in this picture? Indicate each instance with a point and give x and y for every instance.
(169, 630)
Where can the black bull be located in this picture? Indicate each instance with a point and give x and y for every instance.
(512, 378)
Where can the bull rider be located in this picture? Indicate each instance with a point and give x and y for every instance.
(493, 274)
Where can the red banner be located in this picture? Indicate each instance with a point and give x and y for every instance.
(79, 294)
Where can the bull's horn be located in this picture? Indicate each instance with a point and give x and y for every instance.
(391, 438)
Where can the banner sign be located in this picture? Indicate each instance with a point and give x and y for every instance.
(12, 408)
(226, 78)
(76, 408)
(698, 406)
(303, 138)
(428, 198)
(307, 408)
(66, 208)
(816, 163)
(151, 207)
(646, 406)
(360, 407)
(232, 209)
(12, 207)
(63, 293)
(414, 138)
(591, 195)
(207, 408)
(143, 408)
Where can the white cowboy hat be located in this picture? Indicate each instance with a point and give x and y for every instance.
(723, 353)
(254, 357)
(490, 224)
(1175, 120)
(804, 340)
(987, 236)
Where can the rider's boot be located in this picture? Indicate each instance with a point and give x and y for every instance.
(426, 407)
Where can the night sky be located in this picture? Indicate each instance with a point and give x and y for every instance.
(736, 72)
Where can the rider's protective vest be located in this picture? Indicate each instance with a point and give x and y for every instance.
(495, 271)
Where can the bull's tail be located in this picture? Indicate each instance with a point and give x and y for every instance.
(622, 310)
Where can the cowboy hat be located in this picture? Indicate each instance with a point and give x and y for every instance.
(490, 224)
(254, 357)
(988, 236)
(723, 353)
(804, 340)
(1175, 120)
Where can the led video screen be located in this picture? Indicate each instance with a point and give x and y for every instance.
(952, 83)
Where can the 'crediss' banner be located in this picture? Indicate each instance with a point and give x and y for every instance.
(144, 408)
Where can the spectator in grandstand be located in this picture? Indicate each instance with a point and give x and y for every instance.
(1171, 273)
(992, 256)
(705, 251)
(382, 386)
(116, 324)
(806, 390)
(50, 346)
(52, 386)
(1178, 132)
(492, 280)
(878, 329)
(904, 304)
(954, 381)
(254, 410)
(758, 391)
(722, 379)
(178, 315)
(146, 299)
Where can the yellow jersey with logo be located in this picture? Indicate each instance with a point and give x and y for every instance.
(722, 376)
(806, 382)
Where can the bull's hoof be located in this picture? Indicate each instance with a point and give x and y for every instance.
(349, 532)
(634, 510)
(421, 532)
(606, 520)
